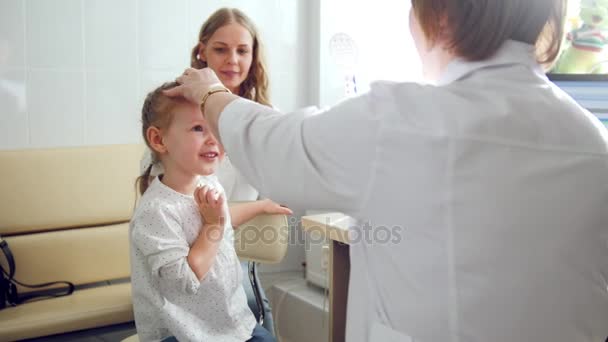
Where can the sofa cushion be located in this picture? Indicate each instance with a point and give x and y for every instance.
(83, 309)
(80, 256)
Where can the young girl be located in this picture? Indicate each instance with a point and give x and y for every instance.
(229, 43)
(186, 277)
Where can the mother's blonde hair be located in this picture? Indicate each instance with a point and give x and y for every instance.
(255, 86)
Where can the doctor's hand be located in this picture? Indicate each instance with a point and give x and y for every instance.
(211, 204)
(194, 84)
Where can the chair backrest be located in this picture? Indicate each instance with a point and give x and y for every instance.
(64, 212)
(263, 239)
(50, 189)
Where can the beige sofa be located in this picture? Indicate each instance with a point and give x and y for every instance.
(64, 213)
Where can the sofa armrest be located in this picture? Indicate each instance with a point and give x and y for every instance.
(263, 239)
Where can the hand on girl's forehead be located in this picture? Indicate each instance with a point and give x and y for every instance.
(189, 111)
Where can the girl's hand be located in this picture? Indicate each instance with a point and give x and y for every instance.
(270, 207)
(211, 204)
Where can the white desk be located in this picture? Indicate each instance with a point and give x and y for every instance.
(334, 226)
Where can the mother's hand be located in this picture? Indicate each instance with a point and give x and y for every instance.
(194, 84)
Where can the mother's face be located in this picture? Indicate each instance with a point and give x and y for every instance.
(229, 52)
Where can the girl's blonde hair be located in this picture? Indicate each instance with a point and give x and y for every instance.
(157, 111)
(478, 28)
(255, 86)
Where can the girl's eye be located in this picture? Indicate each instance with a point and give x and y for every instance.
(243, 52)
(218, 50)
(198, 128)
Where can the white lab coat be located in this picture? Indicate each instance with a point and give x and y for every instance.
(493, 185)
(236, 186)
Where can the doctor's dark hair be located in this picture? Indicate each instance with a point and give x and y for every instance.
(478, 28)
(256, 86)
(157, 111)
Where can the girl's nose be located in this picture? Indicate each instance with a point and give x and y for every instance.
(211, 140)
(233, 58)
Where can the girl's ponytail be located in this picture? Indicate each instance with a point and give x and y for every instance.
(143, 181)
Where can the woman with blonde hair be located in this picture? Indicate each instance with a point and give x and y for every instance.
(229, 44)
(227, 36)
(495, 178)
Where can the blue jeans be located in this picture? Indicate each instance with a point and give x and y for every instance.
(259, 334)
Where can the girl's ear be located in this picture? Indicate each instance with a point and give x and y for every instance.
(201, 52)
(155, 139)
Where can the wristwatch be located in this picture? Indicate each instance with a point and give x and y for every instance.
(218, 88)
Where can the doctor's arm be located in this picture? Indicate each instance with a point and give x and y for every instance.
(323, 161)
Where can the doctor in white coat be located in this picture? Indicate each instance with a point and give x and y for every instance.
(493, 182)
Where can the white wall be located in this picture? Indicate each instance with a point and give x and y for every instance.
(384, 47)
(74, 72)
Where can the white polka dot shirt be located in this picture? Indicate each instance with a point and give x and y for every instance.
(168, 299)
